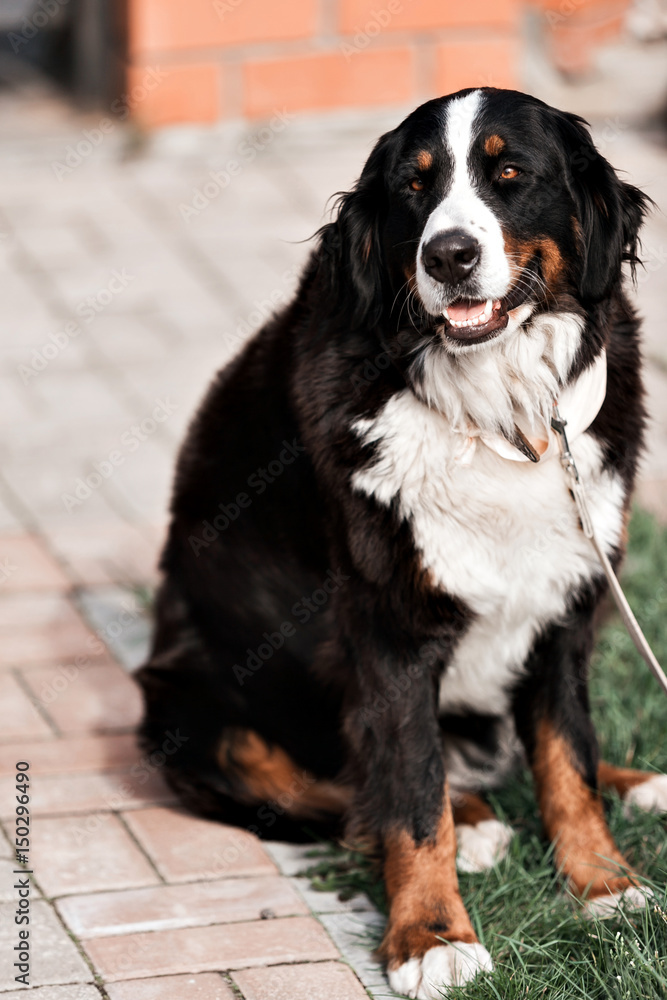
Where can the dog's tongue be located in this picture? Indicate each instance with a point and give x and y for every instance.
(461, 311)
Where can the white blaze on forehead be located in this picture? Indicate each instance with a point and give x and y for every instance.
(462, 208)
(461, 118)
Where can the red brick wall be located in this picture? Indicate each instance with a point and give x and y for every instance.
(203, 60)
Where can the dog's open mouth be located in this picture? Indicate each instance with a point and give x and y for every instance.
(474, 321)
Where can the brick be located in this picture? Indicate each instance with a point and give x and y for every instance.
(204, 949)
(169, 25)
(86, 699)
(329, 902)
(292, 859)
(190, 93)
(186, 848)
(476, 64)
(168, 907)
(575, 36)
(35, 611)
(71, 859)
(19, 717)
(70, 992)
(78, 753)
(121, 620)
(328, 80)
(26, 565)
(63, 641)
(111, 553)
(87, 793)
(42, 626)
(55, 958)
(358, 16)
(9, 523)
(8, 868)
(353, 934)
(203, 987)
(321, 981)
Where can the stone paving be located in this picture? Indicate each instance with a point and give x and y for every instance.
(129, 273)
(132, 899)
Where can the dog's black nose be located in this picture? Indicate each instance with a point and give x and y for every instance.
(450, 256)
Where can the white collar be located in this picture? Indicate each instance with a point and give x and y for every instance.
(579, 404)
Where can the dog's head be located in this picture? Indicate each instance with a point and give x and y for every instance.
(478, 210)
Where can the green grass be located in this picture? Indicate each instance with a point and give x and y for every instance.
(541, 945)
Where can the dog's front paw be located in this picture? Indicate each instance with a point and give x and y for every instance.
(650, 795)
(483, 845)
(446, 965)
(604, 907)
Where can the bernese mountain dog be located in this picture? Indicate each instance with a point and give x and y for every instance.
(377, 595)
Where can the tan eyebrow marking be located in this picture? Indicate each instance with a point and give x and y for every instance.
(494, 145)
(424, 160)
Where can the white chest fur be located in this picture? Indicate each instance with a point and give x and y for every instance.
(502, 536)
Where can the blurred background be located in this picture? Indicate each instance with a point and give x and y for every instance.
(162, 166)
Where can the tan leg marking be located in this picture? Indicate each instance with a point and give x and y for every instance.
(470, 809)
(423, 891)
(267, 773)
(622, 779)
(574, 820)
(645, 790)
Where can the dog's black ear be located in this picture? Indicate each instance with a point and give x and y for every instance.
(350, 254)
(609, 212)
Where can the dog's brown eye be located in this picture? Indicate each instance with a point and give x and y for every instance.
(417, 184)
(509, 173)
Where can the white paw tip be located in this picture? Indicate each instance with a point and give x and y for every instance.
(651, 796)
(446, 965)
(482, 846)
(603, 907)
(406, 979)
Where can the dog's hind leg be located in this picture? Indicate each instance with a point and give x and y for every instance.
(641, 789)
(236, 759)
(483, 840)
(260, 772)
(228, 771)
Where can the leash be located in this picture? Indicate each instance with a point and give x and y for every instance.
(579, 494)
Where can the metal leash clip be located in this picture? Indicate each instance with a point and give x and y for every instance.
(579, 495)
(572, 473)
